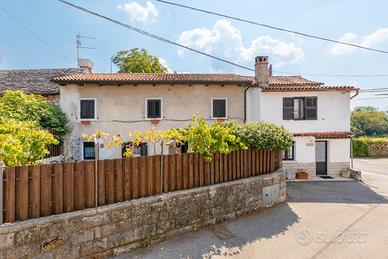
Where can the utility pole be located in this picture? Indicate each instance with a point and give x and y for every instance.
(79, 46)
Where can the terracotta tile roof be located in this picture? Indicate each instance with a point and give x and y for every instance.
(276, 83)
(34, 81)
(326, 135)
(154, 78)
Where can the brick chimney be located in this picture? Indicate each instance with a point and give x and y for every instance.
(86, 64)
(261, 71)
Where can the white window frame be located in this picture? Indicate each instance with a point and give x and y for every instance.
(226, 108)
(95, 109)
(146, 108)
(83, 151)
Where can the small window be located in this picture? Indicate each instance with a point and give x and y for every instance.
(88, 109)
(89, 151)
(289, 153)
(154, 108)
(141, 150)
(219, 108)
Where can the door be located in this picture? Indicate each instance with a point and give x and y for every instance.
(321, 157)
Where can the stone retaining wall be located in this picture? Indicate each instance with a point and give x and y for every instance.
(112, 229)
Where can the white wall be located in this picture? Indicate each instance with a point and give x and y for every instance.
(253, 104)
(304, 149)
(121, 109)
(339, 150)
(333, 111)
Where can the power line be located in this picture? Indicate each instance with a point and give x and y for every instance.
(155, 36)
(370, 98)
(332, 75)
(273, 27)
(31, 32)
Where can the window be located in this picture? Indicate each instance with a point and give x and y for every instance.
(289, 154)
(88, 109)
(219, 108)
(89, 151)
(141, 150)
(154, 108)
(300, 108)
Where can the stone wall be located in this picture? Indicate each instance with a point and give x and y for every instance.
(112, 229)
(378, 149)
(335, 168)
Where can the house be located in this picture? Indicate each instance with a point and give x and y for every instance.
(38, 81)
(318, 115)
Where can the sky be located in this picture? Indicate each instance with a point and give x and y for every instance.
(46, 33)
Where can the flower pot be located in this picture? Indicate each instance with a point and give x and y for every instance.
(345, 174)
(154, 121)
(302, 175)
(85, 123)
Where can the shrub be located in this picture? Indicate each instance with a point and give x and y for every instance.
(23, 143)
(263, 135)
(370, 147)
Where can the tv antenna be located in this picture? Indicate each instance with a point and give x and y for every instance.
(79, 45)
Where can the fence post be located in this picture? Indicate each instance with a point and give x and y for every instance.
(96, 158)
(2, 168)
(161, 167)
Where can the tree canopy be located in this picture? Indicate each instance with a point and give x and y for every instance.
(369, 121)
(137, 61)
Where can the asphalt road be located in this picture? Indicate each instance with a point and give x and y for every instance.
(378, 166)
(320, 220)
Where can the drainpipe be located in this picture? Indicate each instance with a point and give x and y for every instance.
(357, 92)
(245, 102)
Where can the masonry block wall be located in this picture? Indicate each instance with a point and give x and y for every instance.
(128, 225)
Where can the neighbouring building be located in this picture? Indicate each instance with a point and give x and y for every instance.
(316, 114)
(37, 81)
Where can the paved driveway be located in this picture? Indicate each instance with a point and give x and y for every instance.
(320, 220)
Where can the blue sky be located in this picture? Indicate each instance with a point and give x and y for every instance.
(354, 21)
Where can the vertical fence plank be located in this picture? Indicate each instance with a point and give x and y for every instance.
(216, 164)
(185, 171)
(127, 168)
(166, 173)
(191, 169)
(221, 166)
(79, 185)
(58, 188)
(10, 188)
(196, 169)
(101, 182)
(261, 161)
(178, 164)
(118, 180)
(212, 173)
(143, 179)
(22, 190)
(150, 181)
(45, 190)
(110, 182)
(89, 184)
(157, 176)
(34, 192)
(201, 169)
(135, 179)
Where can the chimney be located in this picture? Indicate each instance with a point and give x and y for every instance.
(261, 71)
(86, 64)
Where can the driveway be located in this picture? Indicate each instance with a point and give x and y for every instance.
(320, 220)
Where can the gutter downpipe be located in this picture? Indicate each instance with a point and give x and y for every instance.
(357, 92)
(245, 102)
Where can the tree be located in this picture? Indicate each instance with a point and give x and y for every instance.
(137, 61)
(369, 121)
(20, 107)
(23, 143)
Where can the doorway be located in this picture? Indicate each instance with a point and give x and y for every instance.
(321, 157)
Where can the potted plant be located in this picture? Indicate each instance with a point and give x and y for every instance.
(301, 174)
(345, 173)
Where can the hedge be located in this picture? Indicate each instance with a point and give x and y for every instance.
(370, 147)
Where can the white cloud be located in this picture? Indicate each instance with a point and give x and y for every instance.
(370, 40)
(225, 40)
(140, 13)
(164, 63)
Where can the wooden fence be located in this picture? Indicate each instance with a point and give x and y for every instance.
(42, 190)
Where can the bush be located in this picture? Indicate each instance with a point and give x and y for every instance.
(263, 135)
(370, 147)
(23, 143)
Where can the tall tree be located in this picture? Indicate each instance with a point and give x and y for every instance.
(368, 121)
(137, 61)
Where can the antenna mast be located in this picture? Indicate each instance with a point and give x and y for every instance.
(79, 46)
